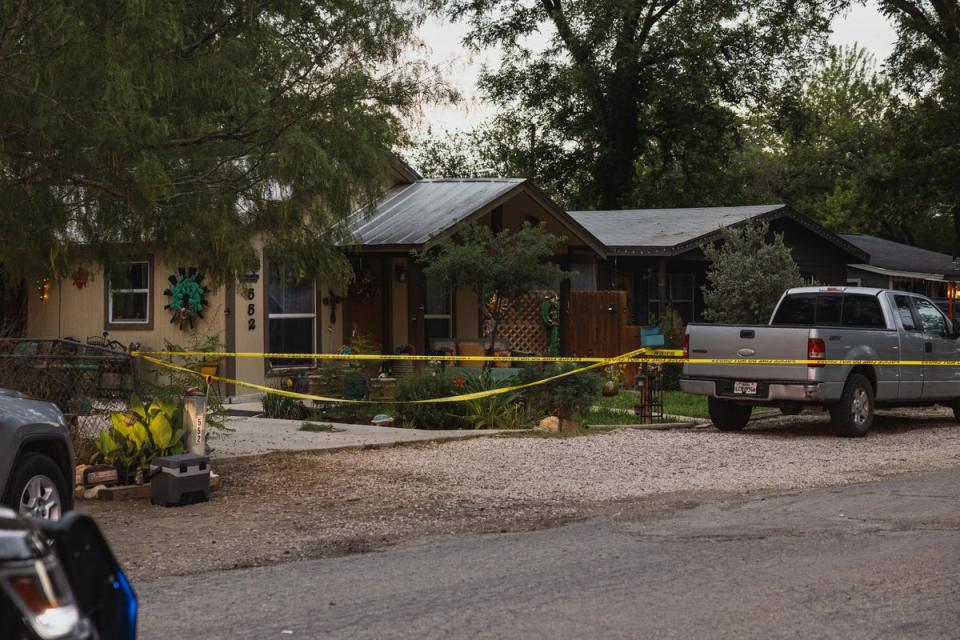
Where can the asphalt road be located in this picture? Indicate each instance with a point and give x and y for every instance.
(877, 560)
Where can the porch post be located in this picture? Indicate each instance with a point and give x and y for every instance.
(565, 307)
(662, 288)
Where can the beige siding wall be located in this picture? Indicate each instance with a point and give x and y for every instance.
(467, 314)
(81, 313)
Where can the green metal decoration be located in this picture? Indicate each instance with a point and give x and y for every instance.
(188, 296)
(550, 313)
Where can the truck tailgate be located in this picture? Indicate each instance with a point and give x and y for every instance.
(748, 342)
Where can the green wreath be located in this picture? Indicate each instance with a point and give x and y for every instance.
(187, 296)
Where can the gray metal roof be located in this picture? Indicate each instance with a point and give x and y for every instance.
(896, 256)
(412, 214)
(663, 228)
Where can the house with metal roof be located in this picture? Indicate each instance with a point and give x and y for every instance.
(407, 309)
(895, 265)
(657, 254)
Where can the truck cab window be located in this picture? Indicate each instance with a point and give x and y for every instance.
(933, 320)
(863, 311)
(798, 309)
(906, 315)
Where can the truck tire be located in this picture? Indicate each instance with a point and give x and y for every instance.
(728, 415)
(852, 416)
(37, 488)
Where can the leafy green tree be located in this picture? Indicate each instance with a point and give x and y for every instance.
(811, 141)
(197, 126)
(928, 38)
(638, 95)
(498, 266)
(749, 269)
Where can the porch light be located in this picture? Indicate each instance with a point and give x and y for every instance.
(401, 272)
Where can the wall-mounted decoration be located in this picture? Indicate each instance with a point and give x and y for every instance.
(332, 300)
(365, 286)
(188, 296)
(43, 288)
(80, 277)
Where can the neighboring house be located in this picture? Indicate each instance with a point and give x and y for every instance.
(894, 265)
(657, 254)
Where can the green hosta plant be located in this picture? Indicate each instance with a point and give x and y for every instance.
(138, 436)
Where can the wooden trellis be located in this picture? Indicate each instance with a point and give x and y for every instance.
(523, 325)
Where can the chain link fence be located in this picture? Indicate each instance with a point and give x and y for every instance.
(87, 380)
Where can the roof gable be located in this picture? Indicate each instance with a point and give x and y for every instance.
(410, 215)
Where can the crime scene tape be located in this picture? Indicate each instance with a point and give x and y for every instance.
(663, 353)
(477, 395)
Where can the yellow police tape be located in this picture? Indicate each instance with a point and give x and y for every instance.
(666, 353)
(458, 398)
(594, 363)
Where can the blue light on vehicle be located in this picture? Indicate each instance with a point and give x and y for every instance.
(122, 585)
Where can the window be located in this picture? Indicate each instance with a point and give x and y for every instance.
(797, 309)
(438, 313)
(933, 320)
(680, 292)
(904, 313)
(829, 309)
(292, 317)
(853, 282)
(862, 311)
(128, 298)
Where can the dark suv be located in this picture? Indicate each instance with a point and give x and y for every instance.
(36, 457)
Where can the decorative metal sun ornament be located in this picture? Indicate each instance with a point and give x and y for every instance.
(188, 296)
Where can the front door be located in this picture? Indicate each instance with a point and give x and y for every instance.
(941, 382)
(912, 343)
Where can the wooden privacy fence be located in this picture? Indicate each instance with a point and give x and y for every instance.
(598, 325)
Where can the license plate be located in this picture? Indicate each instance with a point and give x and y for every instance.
(745, 388)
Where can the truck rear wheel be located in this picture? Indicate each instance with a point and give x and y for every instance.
(852, 416)
(727, 415)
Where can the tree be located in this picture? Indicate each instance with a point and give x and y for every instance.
(928, 36)
(638, 94)
(498, 266)
(810, 143)
(197, 127)
(749, 269)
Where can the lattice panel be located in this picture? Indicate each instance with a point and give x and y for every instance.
(522, 324)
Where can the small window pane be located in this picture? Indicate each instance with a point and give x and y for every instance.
(903, 310)
(933, 321)
(862, 311)
(129, 307)
(289, 296)
(131, 275)
(438, 300)
(291, 335)
(829, 307)
(797, 309)
(436, 328)
(681, 286)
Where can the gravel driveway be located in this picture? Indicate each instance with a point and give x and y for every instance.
(293, 506)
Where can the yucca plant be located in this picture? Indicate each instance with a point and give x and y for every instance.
(139, 435)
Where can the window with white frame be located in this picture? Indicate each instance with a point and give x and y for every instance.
(438, 312)
(291, 317)
(128, 300)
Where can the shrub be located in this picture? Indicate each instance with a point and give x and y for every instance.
(138, 436)
(444, 415)
(283, 408)
(502, 411)
(567, 397)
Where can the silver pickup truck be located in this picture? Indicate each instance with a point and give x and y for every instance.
(828, 323)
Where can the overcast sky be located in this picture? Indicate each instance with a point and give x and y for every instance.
(861, 24)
